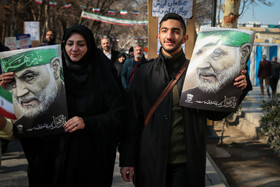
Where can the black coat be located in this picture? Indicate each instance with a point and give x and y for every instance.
(114, 55)
(146, 148)
(88, 155)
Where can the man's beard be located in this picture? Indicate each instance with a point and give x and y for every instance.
(45, 98)
(174, 48)
(50, 42)
(223, 77)
(138, 57)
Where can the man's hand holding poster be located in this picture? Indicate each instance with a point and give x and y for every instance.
(219, 56)
(38, 90)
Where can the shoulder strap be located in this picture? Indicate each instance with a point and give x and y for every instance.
(166, 91)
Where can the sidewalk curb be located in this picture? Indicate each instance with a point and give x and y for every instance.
(221, 175)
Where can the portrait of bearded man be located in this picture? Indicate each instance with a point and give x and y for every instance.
(218, 58)
(38, 91)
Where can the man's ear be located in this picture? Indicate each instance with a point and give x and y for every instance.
(55, 65)
(185, 38)
(245, 54)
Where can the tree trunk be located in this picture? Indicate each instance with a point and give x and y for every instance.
(219, 13)
(231, 13)
(13, 21)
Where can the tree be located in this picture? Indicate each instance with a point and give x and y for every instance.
(231, 10)
(58, 18)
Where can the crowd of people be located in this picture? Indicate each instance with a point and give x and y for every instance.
(108, 96)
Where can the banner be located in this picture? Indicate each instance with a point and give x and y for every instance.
(114, 21)
(181, 7)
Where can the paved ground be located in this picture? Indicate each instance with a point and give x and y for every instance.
(247, 161)
(13, 170)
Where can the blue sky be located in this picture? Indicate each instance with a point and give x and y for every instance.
(262, 13)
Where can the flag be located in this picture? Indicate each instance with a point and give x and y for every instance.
(96, 9)
(67, 5)
(38, 1)
(136, 13)
(111, 11)
(83, 6)
(6, 104)
(123, 12)
(52, 3)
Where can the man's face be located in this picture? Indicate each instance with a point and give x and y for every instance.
(138, 52)
(34, 90)
(105, 44)
(171, 37)
(49, 36)
(217, 65)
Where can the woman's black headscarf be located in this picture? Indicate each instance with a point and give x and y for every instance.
(78, 75)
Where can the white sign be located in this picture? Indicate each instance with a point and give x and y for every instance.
(181, 7)
(32, 28)
(11, 43)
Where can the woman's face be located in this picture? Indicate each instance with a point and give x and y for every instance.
(76, 47)
(121, 59)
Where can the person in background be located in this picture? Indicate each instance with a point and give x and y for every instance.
(107, 50)
(130, 53)
(130, 66)
(275, 67)
(119, 64)
(95, 111)
(264, 74)
(50, 38)
(171, 150)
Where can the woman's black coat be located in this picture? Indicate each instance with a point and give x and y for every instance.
(88, 155)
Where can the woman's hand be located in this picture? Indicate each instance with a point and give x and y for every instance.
(6, 78)
(240, 81)
(74, 124)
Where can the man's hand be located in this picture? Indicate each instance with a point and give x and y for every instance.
(127, 173)
(6, 78)
(240, 81)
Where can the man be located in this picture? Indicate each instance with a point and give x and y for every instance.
(170, 150)
(275, 66)
(264, 74)
(106, 45)
(130, 66)
(218, 58)
(38, 93)
(49, 38)
(130, 53)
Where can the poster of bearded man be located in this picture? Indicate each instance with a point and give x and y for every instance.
(219, 56)
(38, 90)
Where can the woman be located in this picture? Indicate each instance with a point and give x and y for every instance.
(94, 108)
(119, 64)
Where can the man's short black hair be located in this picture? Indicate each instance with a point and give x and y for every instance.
(176, 17)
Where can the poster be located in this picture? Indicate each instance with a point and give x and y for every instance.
(181, 7)
(23, 41)
(32, 28)
(218, 58)
(38, 90)
(11, 43)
